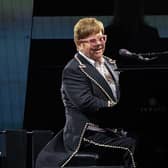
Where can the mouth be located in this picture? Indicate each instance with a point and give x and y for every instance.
(99, 52)
(98, 49)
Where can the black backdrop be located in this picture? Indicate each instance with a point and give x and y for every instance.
(44, 108)
(89, 8)
(143, 92)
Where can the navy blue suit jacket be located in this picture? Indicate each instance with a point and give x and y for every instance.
(84, 92)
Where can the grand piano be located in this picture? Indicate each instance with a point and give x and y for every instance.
(143, 106)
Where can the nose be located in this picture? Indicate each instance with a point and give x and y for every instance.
(98, 41)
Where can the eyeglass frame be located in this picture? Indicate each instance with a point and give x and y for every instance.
(93, 41)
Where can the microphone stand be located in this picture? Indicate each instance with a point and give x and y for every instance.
(145, 57)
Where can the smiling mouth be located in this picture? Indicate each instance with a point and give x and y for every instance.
(97, 49)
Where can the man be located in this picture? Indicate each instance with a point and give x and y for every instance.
(89, 84)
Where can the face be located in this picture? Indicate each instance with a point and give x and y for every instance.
(93, 46)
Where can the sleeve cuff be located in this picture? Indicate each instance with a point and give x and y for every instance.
(110, 103)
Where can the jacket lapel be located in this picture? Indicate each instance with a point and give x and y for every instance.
(111, 65)
(96, 77)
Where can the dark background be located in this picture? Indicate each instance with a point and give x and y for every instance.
(88, 8)
(49, 56)
(143, 91)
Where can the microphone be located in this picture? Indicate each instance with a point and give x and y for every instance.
(125, 52)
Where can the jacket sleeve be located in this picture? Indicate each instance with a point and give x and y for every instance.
(78, 89)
